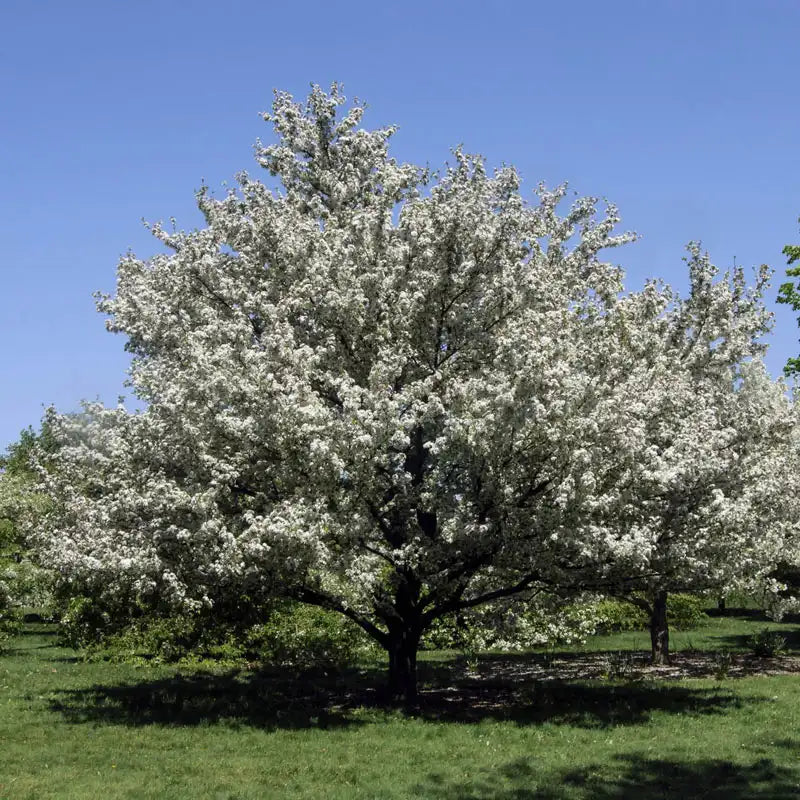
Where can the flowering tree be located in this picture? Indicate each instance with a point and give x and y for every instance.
(710, 516)
(387, 392)
(706, 465)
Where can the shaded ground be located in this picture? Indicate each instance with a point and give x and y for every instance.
(599, 723)
(621, 664)
(629, 777)
(584, 688)
(268, 702)
(529, 689)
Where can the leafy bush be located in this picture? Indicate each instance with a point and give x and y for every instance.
(169, 639)
(19, 586)
(10, 622)
(10, 626)
(32, 587)
(723, 661)
(291, 635)
(450, 632)
(84, 623)
(684, 612)
(301, 636)
(22, 506)
(767, 643)
(619, 666)
(619, 615)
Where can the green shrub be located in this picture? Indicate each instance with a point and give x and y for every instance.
(619, 666)
(33, 587)
(303, 636)
(722, 664)
(19, 581)
(543, 620)
(767, 643)
(450, 632)
(84, 623)
(153, 638)
(614, 616)
(144, 626)
(684, 612)
(10, 618)
(10, 626)
(291, 635)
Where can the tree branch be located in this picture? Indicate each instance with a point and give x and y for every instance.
(487, 597)
(314, 597)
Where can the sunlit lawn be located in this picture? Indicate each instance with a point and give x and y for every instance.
(73, 729)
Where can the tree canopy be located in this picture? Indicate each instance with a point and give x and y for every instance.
(398, 393)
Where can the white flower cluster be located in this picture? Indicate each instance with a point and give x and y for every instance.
(398, 394)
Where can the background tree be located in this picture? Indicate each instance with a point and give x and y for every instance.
(390, 393)
(707, 465)
(789, 293)
(22, 582)
(718, 524)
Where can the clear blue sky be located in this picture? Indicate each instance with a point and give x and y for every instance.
(685, 114)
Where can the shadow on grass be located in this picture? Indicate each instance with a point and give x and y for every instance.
(269, 700)
(752, 615)
(741, 641)
(33, 636)
(39, 631)
(283, 699)
(625, 777)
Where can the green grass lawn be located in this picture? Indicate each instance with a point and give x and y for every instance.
(76, 729)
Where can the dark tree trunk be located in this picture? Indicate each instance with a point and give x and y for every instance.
(403, 646)
(659, 629)
(721, 603)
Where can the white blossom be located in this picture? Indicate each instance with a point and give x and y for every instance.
(398, 393)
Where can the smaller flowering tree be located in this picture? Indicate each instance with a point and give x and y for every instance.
(719, 525)
(701, 472)
(779, 588)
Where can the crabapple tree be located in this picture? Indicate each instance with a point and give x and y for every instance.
(698, 479)
(392, 393)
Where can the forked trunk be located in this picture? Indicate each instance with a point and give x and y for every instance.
(659, 629)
